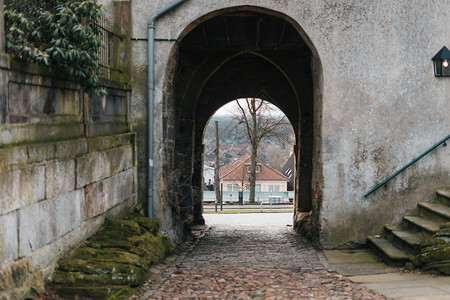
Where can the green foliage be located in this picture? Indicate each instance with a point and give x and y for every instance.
(57, 33)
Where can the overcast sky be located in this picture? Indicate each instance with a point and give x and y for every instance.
(231, 107)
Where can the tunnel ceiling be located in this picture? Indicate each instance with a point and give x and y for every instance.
(242, 31)
(242, 54)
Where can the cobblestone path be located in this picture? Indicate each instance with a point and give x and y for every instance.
(244, 260)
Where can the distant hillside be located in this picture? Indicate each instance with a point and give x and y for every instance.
(234, 141)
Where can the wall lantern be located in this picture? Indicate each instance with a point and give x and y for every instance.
(440, 62)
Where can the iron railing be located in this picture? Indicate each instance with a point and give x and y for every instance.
(408, 165)
(105, 55)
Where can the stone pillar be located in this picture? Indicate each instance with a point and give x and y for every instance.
(122, 47)
(2, 28)
(197, 181)
(184, 156)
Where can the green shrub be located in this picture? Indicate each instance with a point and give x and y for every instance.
(57, 33)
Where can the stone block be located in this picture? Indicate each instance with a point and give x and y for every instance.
(94, 200)
(60, 178)
(100, 165)
(119, 188)
(13, 156)
(37, 226)
(71, 148)
(90, 168)
(27, 100)
(69, 212)
(41, 152)
(21, 187)
(8, 238)
(109, 142)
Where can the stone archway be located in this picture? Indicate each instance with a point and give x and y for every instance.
(234, 53)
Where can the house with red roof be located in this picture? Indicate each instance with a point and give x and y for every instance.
(237, 173)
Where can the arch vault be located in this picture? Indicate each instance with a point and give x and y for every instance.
(234, 53)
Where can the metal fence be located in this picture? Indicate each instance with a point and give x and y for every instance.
(105, 56)
(264, 197)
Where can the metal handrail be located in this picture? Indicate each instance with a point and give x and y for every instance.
(407, 166)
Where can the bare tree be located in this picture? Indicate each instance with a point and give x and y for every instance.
(277, 155)
(243, 180)
(257, 117)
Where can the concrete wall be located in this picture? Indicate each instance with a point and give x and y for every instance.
(381, 104)
(66, 162)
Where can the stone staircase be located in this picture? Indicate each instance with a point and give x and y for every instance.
(399, 242)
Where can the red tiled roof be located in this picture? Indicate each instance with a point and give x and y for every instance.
(233, 170)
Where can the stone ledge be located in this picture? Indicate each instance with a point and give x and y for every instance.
(109, 142)
(19, 156)
(40, 132)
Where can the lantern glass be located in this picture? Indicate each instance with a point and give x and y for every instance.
(441, 63)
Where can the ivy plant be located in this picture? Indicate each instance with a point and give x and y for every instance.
(57, 33)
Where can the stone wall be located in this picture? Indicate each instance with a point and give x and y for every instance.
(66, 162)
(377, 104)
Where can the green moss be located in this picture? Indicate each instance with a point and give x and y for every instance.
(437, 252)
(79, 278)
(149, 224)
(114, 261)
(111, 255)
(351, 246)
(410, 266)
(96, 267)
(20, 273)
(15, 274)
(96, 292)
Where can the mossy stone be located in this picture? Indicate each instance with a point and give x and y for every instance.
(149, 224)
(80, 278)
(95, 267)
(110, 255)
(128, 227)
(15, 274)
(95, 292)
(410, 266)
(437, 252)
(112, 262)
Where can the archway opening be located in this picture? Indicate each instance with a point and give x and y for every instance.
(231, 134)
(242, 52)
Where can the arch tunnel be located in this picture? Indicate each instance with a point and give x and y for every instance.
(240, 52)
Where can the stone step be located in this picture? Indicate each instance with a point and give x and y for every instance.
(388, 251)
(444, 195)
(437, 208)
(412, 239)
(424, 224)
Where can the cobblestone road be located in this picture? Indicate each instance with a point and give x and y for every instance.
(253, 241)
(250, 256)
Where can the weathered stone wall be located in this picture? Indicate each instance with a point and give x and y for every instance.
(66, 161)
(378, 104)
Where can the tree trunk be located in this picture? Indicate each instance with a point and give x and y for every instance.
(216, 165)
(254, 143)
(251, 197)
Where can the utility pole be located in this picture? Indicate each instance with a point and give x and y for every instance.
(216, 166)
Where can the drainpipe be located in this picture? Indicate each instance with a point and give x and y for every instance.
(151, 98)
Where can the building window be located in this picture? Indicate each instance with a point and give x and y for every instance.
(274, 188)
(249, 169)
(258, 188)
(232, 187)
